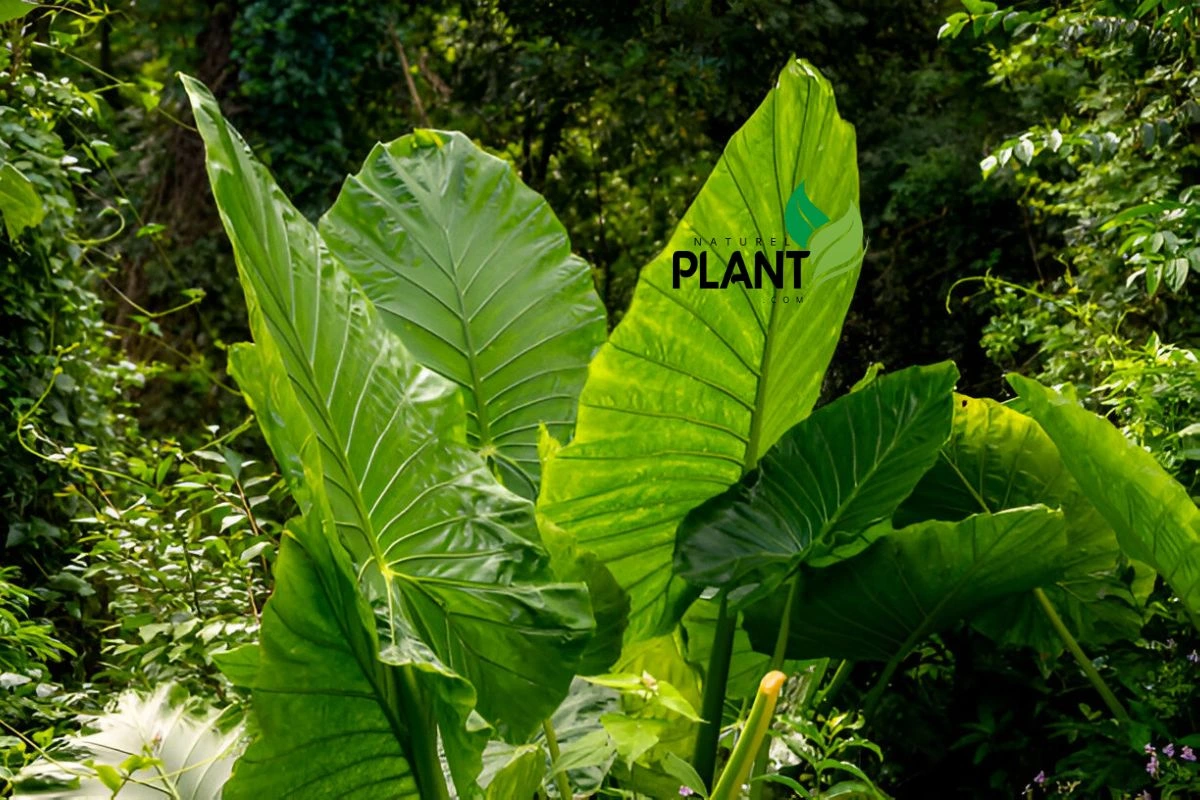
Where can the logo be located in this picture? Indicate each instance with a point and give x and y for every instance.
(771, 263)
(801, 217)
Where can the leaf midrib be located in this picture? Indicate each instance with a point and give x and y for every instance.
(856, 490)
(754, 439)
(754, 443)
(452, 274)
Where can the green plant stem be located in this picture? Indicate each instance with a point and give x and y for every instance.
(426, 766)
(560, 777)
(840, 676)
(704, 757)
(778, 656)
(1110, 699)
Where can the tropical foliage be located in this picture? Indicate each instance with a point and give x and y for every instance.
(486, 529)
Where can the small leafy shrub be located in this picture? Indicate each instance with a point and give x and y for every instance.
(26, 647)
(824, 756)
(1109, 184)
(61, 373)
(182, 569)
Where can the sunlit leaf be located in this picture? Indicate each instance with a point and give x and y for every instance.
(20, 204)
(1155, 520)
(368, 438)
(695, 385)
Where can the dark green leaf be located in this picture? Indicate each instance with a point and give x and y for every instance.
(827, 481)
(320, 680)
(998, 459)
(913, 582)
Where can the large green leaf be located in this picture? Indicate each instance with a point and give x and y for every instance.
(695, 384)
(295, 667)
(913, 582)
(826, 482)
(1155, 519)
(470, 267)
(449, 554)
(998, 459)
(332, 717)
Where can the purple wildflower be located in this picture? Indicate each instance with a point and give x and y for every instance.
(1187, 754)
(1194, 657)
(1169, 751)
(1145, 795)
(1148, 749)
(1040, 778)
(1152, 766)
(686, 791)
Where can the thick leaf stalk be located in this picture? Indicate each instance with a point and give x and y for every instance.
(1085, 663)
(560, 778)
(422, 751)
(712, 706)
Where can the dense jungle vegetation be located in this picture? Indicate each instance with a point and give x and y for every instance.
(332, 468)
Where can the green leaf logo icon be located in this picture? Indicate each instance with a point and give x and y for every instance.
(801, 216)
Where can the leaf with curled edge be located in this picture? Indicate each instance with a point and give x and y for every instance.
(824, 485)
(912, 582)
(1155, 520)
(998, 458)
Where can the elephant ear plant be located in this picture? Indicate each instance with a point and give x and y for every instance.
(415, 609)
(495, 500)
